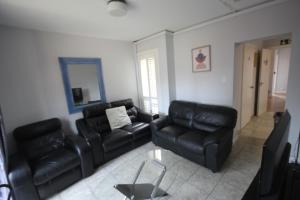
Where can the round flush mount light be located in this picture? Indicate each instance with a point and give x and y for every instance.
(117, 8)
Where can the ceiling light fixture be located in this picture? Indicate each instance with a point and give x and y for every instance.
(117, 8)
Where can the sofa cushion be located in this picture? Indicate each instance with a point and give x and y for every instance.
(138, 129)
(53, 165)
(181, 113)
(214, 116)
(96, 119)
(171, 133)
(192, 141)
(116, 138)
(95, 110)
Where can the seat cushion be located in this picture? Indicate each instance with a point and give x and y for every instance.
(171, 133)
(192, 141)
(138, 129)
(53, 165)
(117, 138)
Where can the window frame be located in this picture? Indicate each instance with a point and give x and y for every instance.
(144, 55)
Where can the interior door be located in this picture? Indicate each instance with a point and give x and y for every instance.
(263, 87)
(249, 79)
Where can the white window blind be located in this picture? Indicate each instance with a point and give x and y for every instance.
(149, 83)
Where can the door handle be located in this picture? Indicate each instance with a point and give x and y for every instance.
(252, 87)
(261, 83)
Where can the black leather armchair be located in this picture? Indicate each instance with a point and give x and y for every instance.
(106, 143)
(199, 132)
(46, 161)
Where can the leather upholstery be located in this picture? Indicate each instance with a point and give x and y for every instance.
(52, 165)
(116, 139)
(78, 145)
(192, 141)
(44, 157)
(107, 144)
(171, 133)
(202, 133)
(138, 129)
(41, 140)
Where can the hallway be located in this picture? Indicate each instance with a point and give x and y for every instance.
(259, 127)
(276, 103)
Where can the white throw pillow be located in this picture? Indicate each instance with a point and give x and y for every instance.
(117, 117)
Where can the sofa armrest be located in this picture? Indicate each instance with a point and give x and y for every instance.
(217, 146)
(20, 178)
(93, 139)
(159, 123)
(144, 116)
(83, 150)
(219, 136)
(156, 125)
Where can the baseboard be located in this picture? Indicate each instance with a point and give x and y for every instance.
(235, 137)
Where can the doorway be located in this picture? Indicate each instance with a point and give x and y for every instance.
(261, 76)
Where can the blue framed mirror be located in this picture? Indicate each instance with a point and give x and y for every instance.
(83, 82)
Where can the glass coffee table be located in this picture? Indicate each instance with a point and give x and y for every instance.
(145, 184)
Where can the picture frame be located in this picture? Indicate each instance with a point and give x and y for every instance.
(201, 59)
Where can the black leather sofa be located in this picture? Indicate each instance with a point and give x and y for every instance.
(201, 133)
(46, 161)
(107, 144)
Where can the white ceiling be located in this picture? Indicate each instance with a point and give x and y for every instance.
(89, 17)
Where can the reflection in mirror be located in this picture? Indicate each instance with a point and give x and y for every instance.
(83, 82)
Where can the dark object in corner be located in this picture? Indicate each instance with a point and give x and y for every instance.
(46, 161)
(77, 95)
(292, 189)
(269, 182)
(199, 132)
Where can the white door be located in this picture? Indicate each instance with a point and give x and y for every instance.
(249, 79)
(148, 81)
(263, 87)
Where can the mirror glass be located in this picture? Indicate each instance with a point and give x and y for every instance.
(83, 82)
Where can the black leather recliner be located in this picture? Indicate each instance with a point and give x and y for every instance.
(46, 161)
(201, 133)
(106, 143)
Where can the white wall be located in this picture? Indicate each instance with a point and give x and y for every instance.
(159, 43)
(30, 79)
(216, 87)
(283, 64)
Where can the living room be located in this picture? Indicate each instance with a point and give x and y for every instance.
(34, 36)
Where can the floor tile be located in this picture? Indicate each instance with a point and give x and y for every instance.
(226, 192)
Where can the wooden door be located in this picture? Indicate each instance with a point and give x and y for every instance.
(249, 79)
(263, 83)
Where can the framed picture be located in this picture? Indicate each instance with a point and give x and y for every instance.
(201, 59)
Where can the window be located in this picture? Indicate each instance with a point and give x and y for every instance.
(148, 75)
(3, 159)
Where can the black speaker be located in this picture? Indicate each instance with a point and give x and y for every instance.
(77, 95)
(292, 191)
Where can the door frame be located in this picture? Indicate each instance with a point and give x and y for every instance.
(238, 82)
(258, 83)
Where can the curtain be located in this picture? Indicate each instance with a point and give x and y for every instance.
(3, 158)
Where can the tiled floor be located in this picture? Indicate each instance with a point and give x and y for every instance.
(184, 179)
